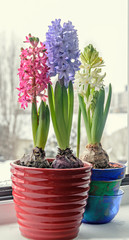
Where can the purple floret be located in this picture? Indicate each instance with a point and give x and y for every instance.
(63, 50)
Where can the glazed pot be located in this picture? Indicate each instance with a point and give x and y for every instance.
(50, 203)
(105, 188)
(109, 173)
(104, 208)
(103, 194)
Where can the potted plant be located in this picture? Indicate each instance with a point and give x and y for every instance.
(106, 176)
(49, 199)
(34, 78)
(63, 54)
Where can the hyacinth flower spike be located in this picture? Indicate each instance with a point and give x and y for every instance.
(34, 79)
(91, 92)
(63, 54)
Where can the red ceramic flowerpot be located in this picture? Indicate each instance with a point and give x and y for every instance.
(50, 203)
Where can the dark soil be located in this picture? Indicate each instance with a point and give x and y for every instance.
(114, 165)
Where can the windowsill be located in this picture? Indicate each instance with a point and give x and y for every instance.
(117, 229)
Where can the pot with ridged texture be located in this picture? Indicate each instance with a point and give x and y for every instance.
(50, 203)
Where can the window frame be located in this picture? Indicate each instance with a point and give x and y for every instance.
(6, 193)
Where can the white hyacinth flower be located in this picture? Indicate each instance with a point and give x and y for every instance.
(89, 74)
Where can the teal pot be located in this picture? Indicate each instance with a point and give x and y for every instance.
(102, 209)
(104, 188)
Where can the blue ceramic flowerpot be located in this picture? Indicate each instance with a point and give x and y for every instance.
(102, 209)
(109, 173)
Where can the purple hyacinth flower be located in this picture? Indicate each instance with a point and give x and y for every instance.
(63, 50)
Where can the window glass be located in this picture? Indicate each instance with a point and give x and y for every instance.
(101, 23)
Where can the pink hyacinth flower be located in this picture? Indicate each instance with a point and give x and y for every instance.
(33, 72)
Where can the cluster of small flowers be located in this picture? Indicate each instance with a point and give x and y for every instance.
(33, 72)
(63, 51)
(89, 75)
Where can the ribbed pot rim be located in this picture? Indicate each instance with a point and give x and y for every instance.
(86, 167)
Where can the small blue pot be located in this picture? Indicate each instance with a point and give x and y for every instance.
(102, 209)
(109, 173)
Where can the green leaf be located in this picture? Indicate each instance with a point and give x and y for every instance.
(84, 113)
(94, 100)
(60, 115)
(108, 103)
(34, 120)
(105, 114)
(70, 107)
(97, 117)
(53, 115)
(43, 127)
(89, 117)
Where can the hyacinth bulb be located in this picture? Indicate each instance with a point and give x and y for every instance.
(66, 159)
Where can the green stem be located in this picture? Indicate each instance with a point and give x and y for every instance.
(65, 105)
(84, 113)
(70, 107)
(34, 121)
(78, 131)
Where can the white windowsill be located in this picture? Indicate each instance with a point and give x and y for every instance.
(117, 229)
